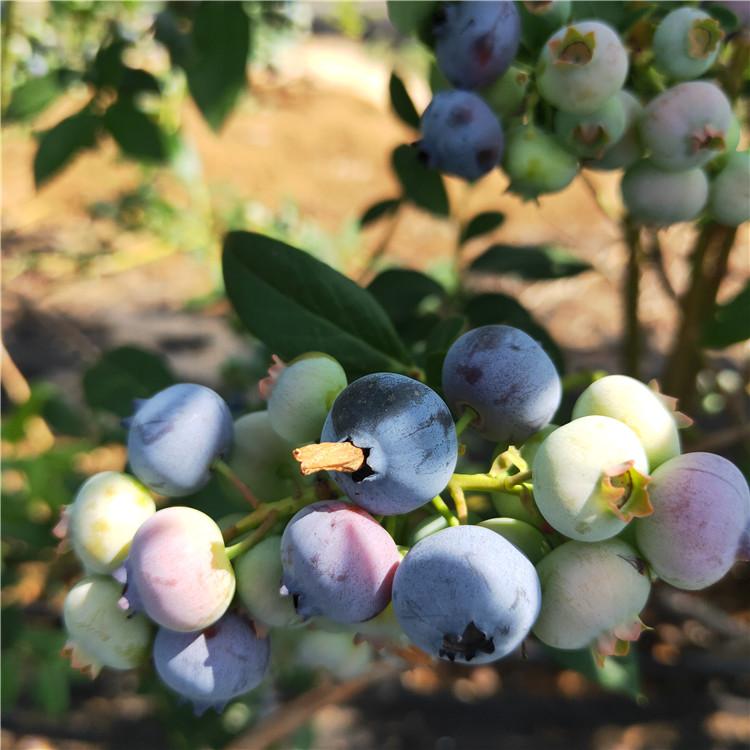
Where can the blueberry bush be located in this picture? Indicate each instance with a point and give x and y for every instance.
(417, 478)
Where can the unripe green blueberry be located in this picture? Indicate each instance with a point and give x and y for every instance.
(337, 653)
(687, 125)
(261, 458)
(581, 66)
(686, 43)
(591, 593)
(589, 478)
(729, 200)
(505, 96)
(661, 198)
(628, 149)
(259, 575)
(539, 18)
(100, 633)
(303, 395)
(536, 163)
(651, 417)
(524, 536)
(591, 134)
(102, 521)
(701, 509)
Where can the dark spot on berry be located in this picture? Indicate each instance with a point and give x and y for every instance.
(483, 48)
(460, 116)
(467, 645)
(487, 158)
(471, 375)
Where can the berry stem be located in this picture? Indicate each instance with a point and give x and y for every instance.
(440, 506)
(631, 353)
(468, 416)
(459, 500)
(486, 482)
(241, 547)
(287, 506)
(223, 468)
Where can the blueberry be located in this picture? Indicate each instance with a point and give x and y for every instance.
(536, 163)
(211, 667)
(338, 562)
(591, 594)
(105, 515)
(660, 198)
(176, 435)
(100, 634)
(407, 433)
(259, 574)
(581, 66)
(627, 150)
(460, 135)
(262, 459)
(590, 135)
(302, 396)
(475, 42)
(506, 95)
(589, 477)
(729, 201)
(686, 43)
(648, 414)
(526, 537)
(701, 508)
(466, 594)
(178, 572)
(336, 653)
(506, 377)
(687, 125)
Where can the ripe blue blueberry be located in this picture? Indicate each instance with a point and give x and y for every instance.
(581, 66)
(687, 125)
(475, 42)
(466, 594)
(686, 43)
(176, 435)
(338, 562)
(660, 198)
(460, 135)
(506, 377)
(407, 434)
(729, 201)
(214, 665)
(591, 134)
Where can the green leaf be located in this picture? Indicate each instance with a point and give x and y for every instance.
(107, 67)
(618, 674)
(294, 304)
(378, 210)
(37, 94)
(491, 309)
(725, 16)
(413, 17)
(122, 375)
(58, 145)
(216, 66)
(530, 262)
(400, 292)
(137, 80)
(482, 223)
(401, 102)
(136, 134)
(438, 342)
(422, 186)
(730, 322)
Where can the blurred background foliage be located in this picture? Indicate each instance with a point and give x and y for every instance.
(124, 129)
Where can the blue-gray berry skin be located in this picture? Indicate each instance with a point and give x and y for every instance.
(214, 665)
(176, 435)
(460, 135)
(466, 594)
(475, 42)
(506, 377)
(407, 434)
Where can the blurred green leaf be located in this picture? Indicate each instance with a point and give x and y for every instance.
(122, 375)
(400, 291)
(107, 67)
(11, 673)
(422, 186)
(482, 223)
(730, 322)
(52, 686)
(533, 262)
(401, 102)
(137, 80)
(135, 133)
(378, 210)
(412, 17)
(724, 15)
(37, 94)
(491, 309)
(438, 342)
(59, 144)
(216, 66)
(294, 303)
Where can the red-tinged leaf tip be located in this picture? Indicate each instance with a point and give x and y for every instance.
(265, 385)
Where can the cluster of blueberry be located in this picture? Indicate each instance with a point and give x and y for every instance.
(581, 529)
(589, 119)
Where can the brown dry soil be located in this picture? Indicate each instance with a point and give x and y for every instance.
(319, 132)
